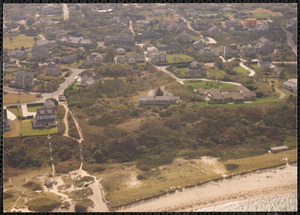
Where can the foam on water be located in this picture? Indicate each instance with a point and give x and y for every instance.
(286, 202)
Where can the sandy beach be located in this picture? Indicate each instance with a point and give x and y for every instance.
(275, 181)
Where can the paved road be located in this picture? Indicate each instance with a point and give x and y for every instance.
(181, 80)
(66, 11)
(252, 72)
(130, 27)
(290, 41)
(211, 40)
(42, 37)
(55, 94)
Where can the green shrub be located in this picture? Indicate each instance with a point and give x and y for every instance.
(80, 208)
(231, 166)
(43, 204)
(33, 186)
(7, 195)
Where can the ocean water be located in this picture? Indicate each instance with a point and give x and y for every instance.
(286, 202)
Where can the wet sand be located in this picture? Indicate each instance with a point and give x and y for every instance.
(275, 181)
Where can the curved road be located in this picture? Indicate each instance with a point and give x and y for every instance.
(290, 41)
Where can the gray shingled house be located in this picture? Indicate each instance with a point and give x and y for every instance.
(23, 78)
(52, 70)
(45, 117)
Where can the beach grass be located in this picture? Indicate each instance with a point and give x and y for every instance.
(45, 202)
(27, 129)
(261, 161)
(18, 42)
(14, 98)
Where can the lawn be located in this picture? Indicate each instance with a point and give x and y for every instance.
(254, 65)
(18, 42)
(179, 58)
(27, 129)
(258, 101)
(209, 84)
(241, 70)
(34, 108)
(76, 64)
(15, 98)
(216, 73)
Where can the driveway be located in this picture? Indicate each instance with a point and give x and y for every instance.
(252, 72)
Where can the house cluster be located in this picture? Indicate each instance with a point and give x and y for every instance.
(291, 85)
(45, 116)
(50, 9)
(233, 24)
(250, 22)
(163, 11)
(214, 30)
(94, 59)
(158, 100)
(242, 95)
(264, 46)
(18, 54)
(67, 59)
(120, 39)
(291, 23)
(138, 58)
(54, 31)
(86, 79)
(156, 56)
(42, 48)
(175, 27)
(267, 63)
(23, 79)
(75, 41)
(6, 121)
(196, 68)
(52, 69)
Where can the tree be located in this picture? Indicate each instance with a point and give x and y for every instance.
(159, 92)
(110, 54)
(22, 48)
(22, 29)
(27, 88)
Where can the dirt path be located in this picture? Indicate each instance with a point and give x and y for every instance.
(130, 27)
(66, 11)
(66, 119)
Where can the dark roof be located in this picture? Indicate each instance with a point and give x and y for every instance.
(45, 111)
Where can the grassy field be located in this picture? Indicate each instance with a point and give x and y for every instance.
(18, 42)
(179, 58)
(241, 70)
(209, 84)
(258, 101)
(12, 98)
(254, 65)
(216, 73)
(34, 108)
(264, 13)
(76, 64)
(163, 18)
(27, 129)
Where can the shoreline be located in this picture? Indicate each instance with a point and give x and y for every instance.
(246, 185)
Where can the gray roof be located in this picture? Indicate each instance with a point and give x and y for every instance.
(263, 40)
(42, 42)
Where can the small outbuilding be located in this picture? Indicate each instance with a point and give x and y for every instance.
(48, 183)
(278, 149)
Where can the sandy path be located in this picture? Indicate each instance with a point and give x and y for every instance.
(66, 119)
(278, 180)
(252, 72)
